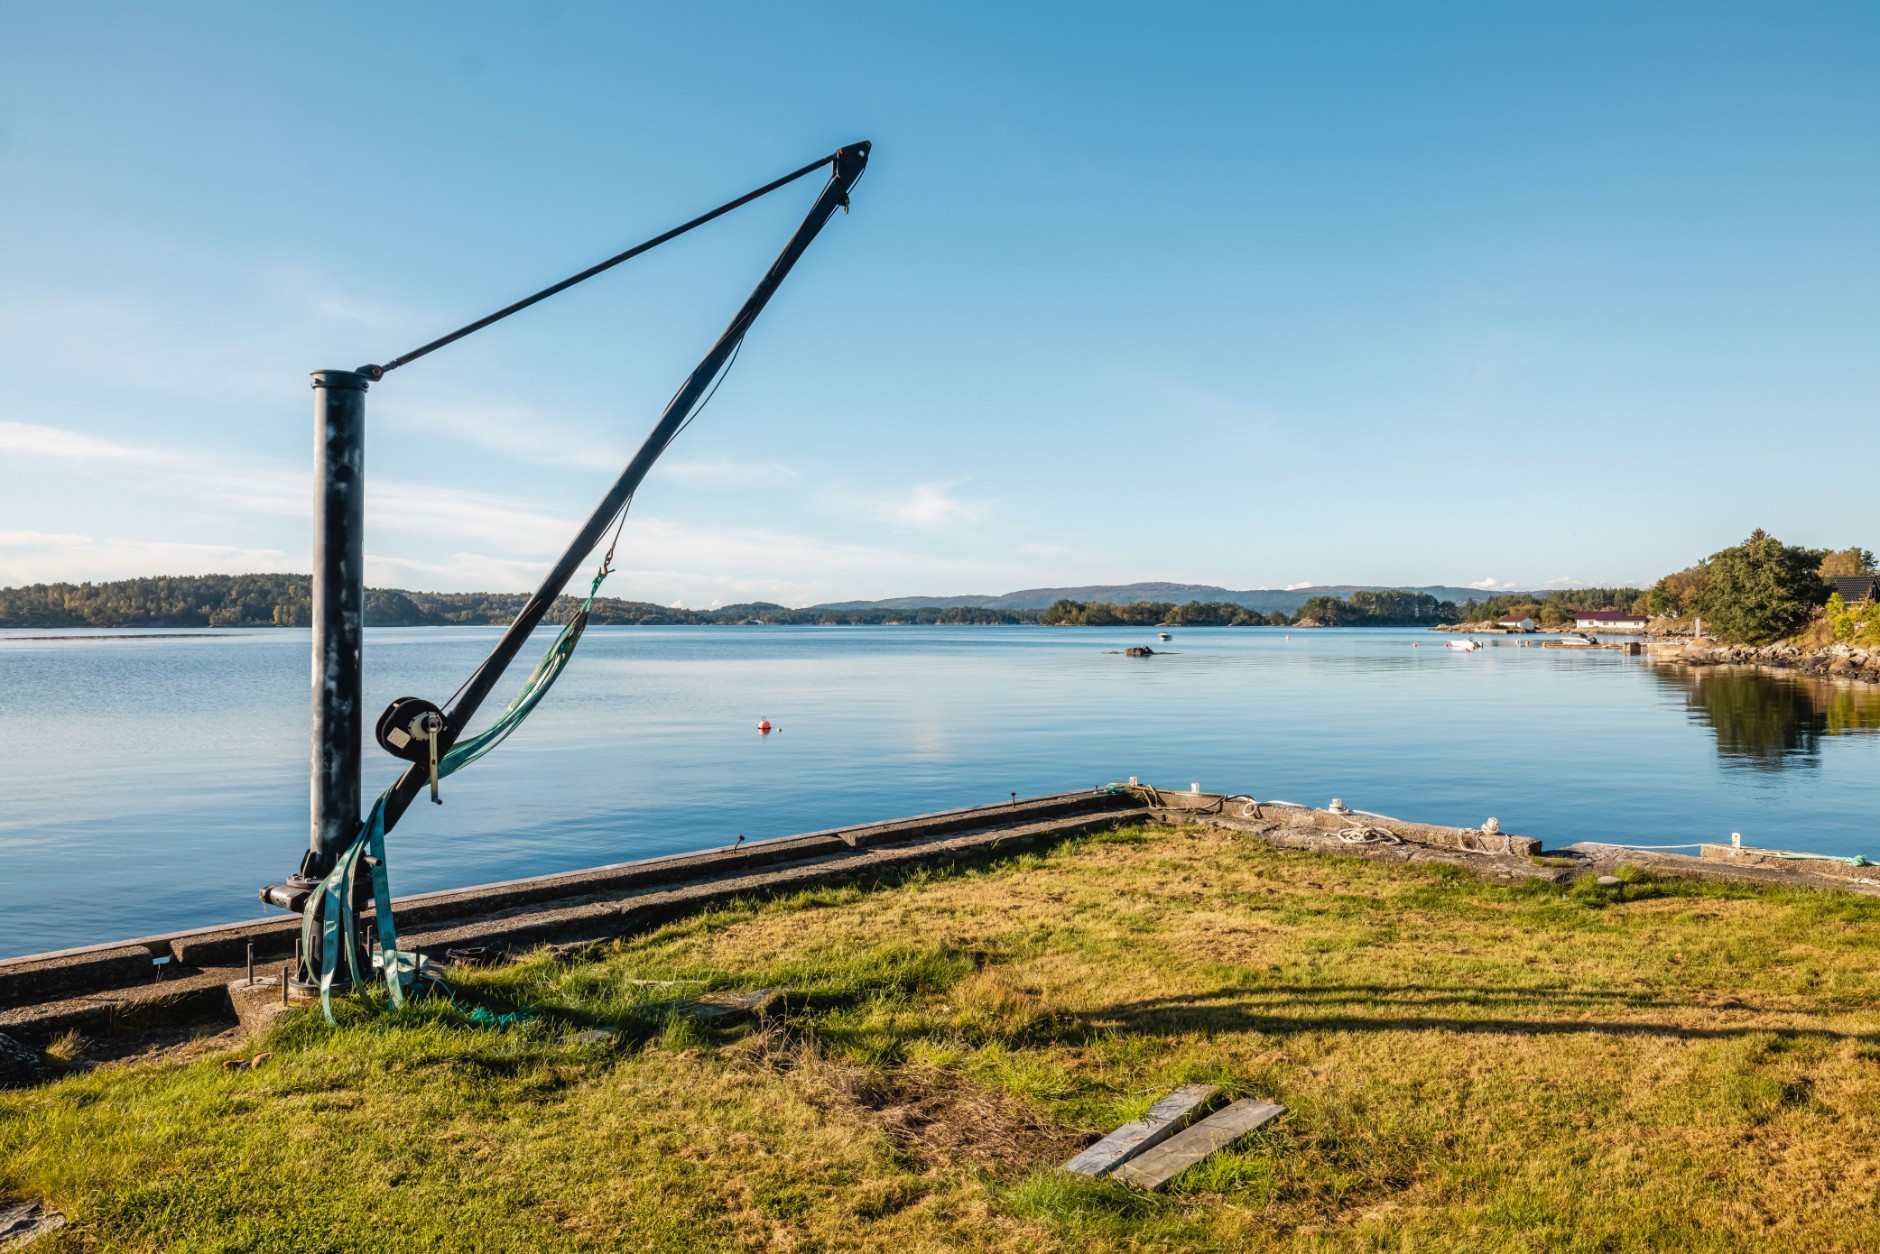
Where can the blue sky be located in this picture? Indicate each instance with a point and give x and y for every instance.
(1254, 295)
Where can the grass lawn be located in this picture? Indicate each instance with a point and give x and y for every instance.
(1468, 1066)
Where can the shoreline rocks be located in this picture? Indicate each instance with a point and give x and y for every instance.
(1836, 661)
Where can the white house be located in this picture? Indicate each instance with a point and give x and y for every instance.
(1518, 624)
(1609, 620)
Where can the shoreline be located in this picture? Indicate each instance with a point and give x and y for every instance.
(147, 986)
(1836, 661)
(1846, 662)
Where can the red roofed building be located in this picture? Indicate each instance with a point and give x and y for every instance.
(1609, 620)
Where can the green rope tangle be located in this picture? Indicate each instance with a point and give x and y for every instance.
(333, 907)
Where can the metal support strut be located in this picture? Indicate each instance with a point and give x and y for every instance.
(339, 612)
(338, 586)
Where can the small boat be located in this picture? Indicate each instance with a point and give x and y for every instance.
(1163, 636)
(1466, 646)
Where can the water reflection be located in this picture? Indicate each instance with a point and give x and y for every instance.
(1768, 722)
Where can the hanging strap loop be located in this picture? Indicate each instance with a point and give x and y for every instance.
(334, 904)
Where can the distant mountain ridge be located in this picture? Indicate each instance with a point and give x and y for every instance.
(1266, 600)
(285, 600)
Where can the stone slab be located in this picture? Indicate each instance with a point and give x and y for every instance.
(22, 1223)
(1154, 1168)
(1165, 1119)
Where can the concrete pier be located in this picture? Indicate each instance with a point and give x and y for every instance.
(177, 980)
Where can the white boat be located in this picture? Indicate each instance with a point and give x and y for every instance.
(1466, 646)
(1164, 636)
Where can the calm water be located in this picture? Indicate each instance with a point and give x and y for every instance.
(151, 783)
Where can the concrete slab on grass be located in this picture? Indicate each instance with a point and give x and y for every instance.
(1154, 1168)
(1165, 1119)
(22, 1223)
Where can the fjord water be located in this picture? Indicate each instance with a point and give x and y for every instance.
(153, 781)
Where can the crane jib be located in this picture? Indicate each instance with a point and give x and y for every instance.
(434, 732)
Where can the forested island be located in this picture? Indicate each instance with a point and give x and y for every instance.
(1360, 609)
(284, 601)
(1759, 592)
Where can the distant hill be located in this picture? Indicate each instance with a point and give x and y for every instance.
(1266, 600)
(283, 600)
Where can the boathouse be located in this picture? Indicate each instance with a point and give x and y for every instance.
(1524, 623)
(1609, 620)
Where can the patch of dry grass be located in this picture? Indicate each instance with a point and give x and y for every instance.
(1467, 1065)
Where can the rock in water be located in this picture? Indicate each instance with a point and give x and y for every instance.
(18, 1064)
(1139, 650)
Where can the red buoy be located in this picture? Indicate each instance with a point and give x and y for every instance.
(763, 726)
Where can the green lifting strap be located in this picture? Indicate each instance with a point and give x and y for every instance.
(333, 901)
(1855, 860)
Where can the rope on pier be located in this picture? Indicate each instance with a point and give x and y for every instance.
(1365, 835)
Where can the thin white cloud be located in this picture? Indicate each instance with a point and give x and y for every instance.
(497, 542)
(513, 526)
(543, 439)
(725, 472)
(663, 562)
(515, 431)
(275, 491)
(928, 507)
(654, 543)
(460, 572)
(28, 439)
(282, 492)
(1490, 584)
(64, 557)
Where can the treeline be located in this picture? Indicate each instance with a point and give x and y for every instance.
(1762, 591)
(1360, 609)
(781, 616)
(286, 601)
(1756, 592)
(1068, 613)
(1555, 609)
(1375, 609)
(178, 601)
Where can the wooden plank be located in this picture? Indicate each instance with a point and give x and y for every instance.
(1156, 1167)
(1165, 1119)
